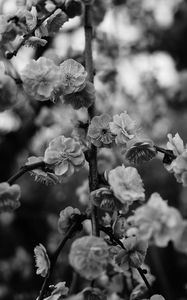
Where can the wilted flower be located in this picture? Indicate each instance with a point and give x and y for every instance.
(83, 98)
(58, 291)
(89, 256)
(65, 219)
(123, 127)
(9, 196)
(126, 184)
(157, 221)
(8, 90)
(105, 199)
(134, 253)
(72, 76)
(39, 174)
(139, 150)
(99, 131)
(40, 78)
(42, 260)
(8, 30)
(120, 226)
(65, 156)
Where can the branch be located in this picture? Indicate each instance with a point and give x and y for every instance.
(72, 229)
(26, 169)
(165, 151)
(92, 157)
(116, 240)
(30, 33)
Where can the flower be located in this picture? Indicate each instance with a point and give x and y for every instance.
(179, 168)
(83, 193)
(157, 221)
(105, 199)
(157, 297)
(72, 76)
(42, 260)
(58, 291)
(93, 294)
(8, 90)
(139, 150)
(65, 156)
(9, 196)
(89, 256)
(39, 174)
(65, 219)
(126, 184)
(123, 127)
(99, 131)
(83, 98)
(40, 78)
(175, 144)
(134, 253)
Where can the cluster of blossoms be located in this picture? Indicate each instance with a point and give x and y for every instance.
(179, 165)
(157, 222)
(43, 80)
(125, 132)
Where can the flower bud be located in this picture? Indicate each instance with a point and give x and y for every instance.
(120, 226)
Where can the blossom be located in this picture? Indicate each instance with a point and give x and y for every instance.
(105, 199)
(42, 260)
(65, 156)
(126, 184)
(139, 150)
(89, 256)
(83, 193)
(99, 131)
(175, 144)
(58, 291)
(9, 196)
(83, 98)
(72, 76)
(179, 168)
(133, 254)
(41, 175)
(157, 221)
(40, 78)
(65, 219)
(123, 127)
(8, 90)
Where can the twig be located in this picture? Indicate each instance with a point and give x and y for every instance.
(92, 157)
(9, 55)
(165, 151)
(113, 238)
(74, 227)
(26, 169)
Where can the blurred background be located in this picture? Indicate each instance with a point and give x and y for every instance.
(140, 54)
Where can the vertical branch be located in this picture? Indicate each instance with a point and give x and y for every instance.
(92, 157)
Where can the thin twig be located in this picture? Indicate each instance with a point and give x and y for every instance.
(92, 157)
(74, 227)
(113, 238)
(165, 151)
(26, 169)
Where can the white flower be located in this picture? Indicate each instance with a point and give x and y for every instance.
(89, 256)
(42, 260)
(175, 144)
(123, 127)
(40, 78)
(65, 156)
(126, 184)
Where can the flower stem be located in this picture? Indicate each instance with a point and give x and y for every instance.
(116, 240)
(25, 169)
(92, 157)
(72, 229)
